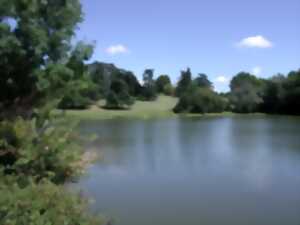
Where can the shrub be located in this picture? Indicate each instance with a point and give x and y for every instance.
(48, 151)
(200, 100)
(74, 101)
(43, 203)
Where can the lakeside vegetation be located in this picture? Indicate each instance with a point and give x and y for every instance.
(162, 107)
(40, 71)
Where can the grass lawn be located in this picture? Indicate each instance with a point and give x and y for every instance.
(161, 108)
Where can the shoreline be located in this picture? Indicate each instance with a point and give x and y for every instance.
(161, 108)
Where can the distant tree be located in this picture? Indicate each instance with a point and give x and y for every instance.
(200, 100)
(102, 74)
(246, 91)
(184, 82)
(169, 90)
(118, 97)
(291, 103)
(161, 82)
(149, 92)
(273, 94)
(132, 82)
(202, 81)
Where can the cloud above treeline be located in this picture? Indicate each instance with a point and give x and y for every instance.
(257, 70)
(258, 41)
(221, 79)
(117, 49)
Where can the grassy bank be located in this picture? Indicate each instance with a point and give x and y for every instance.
(161, 108)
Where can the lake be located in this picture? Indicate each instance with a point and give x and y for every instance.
(241, 170)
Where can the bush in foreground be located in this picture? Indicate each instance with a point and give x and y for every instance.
(46, 151)
(43, 203)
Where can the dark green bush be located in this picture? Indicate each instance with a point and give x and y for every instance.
(200, 100)
(118, 96)
(75, 101)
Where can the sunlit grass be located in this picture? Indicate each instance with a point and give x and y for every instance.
(160, 108)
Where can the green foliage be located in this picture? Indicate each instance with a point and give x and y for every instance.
(47, 151)
(104, 74)
(41, 204)
(202, 81)
(79, 91)
(74, 100)
(273, 94)
(184, 82)
(149, 92)
(39, 67)
(79, 94)
(161, 83)
(200, 100)
(277, 95)
(119, 97)
(246, 91)
(134, 87)
(290, 103)
(41, 35)
(169, 90)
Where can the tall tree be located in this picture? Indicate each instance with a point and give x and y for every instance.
(118, 97)
(149, 88)
(291, 103)
(202, 81)
(161, 82)
(273, 94)
(246, 91)
(184, 82)
(33, 36)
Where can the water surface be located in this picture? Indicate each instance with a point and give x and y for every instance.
(196, 171)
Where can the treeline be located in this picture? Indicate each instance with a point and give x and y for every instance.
(248, 93)
(120, 88)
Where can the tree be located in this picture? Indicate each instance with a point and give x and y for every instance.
(200, 100)
(202, 81)
(169, 90)
(184, 82)
(78, 89)
(38, 35)
(118, 97)
(134, 87)
(161, 83)
(291, 103)
(273, 94)
(149, 89)
(246, 91)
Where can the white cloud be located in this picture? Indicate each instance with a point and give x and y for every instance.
(221, 83)
(255, 42)
(257, 70)
(117, 49)
(221, 79)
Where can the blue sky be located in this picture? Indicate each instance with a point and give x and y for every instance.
(219, 38)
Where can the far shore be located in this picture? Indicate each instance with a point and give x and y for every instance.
(160, 108)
